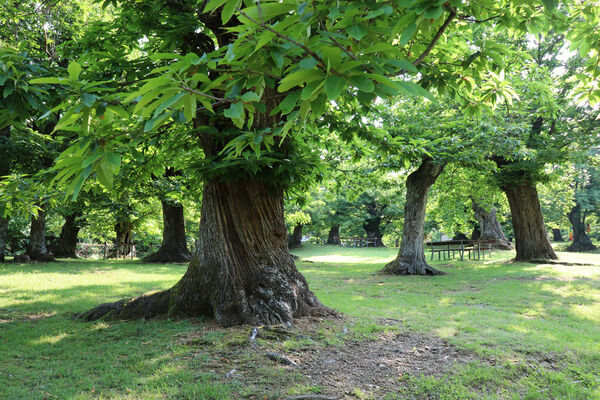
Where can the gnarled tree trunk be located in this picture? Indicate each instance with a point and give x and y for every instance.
(581, 241)
(373, 223)
(174, 242)
(296, 237)
(334, 234)
(557, 235)
(411, 257)
(124, 235)
(67, 242)
(36, 248)
(241, 270)
(489, 227)
(531, 239)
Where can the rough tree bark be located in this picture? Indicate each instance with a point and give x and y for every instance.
(241, 270)
(411, 256)
(296, 237)
(174, 242)
(67, 242)
(581, 241)
(334, 232)
(531, 239)
(124, 235)
(489, 227)
(557, 235)
(373, 223)
(36, 248)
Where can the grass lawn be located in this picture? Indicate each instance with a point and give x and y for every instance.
(532, 331)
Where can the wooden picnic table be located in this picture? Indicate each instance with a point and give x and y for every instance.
(451, 247)
(355, 241)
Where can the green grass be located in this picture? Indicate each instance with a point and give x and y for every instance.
(535, 329)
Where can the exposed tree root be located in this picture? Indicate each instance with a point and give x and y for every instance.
(162, 256)
(148, 305)
(415, 267)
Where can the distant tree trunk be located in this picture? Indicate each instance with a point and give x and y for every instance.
(334, 234)
(411, 257)
(531, 239)
(36, 249)
(557, 235)
(67, 242)
(581, 241)
(296, 238)
(476, 234)
(174, 242)
(5, 156)
(373, 223)
(489, 227)
(3, 237)
(241, 270)
(124, 235)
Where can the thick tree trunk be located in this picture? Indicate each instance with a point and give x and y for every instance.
(296, 237)
(36, 248)
(124, 235)
(531, 238)
(557, 235)
(174, 242)
(411, 257)
(67, 242)
(241, 270)
(334, 234)
(581, 241)
(3, 237)
(373, 223)
(489, 227)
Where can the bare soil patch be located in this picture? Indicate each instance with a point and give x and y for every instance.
(354, 366)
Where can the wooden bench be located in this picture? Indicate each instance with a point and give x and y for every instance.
(474, 248)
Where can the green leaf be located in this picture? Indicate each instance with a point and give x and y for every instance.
(549, 4)
(74, 70)
(415, 90)
(235, 111)
(269, 10)
(189, 107)
(357, 31)
(229, 55)
(408, 33)
(88, 99)
(214, 4)
(52, 81)
(104, 173)
(308, 63)
(333, 86)
(433, 12)
(362, 83)
(76, 188)
(228, 10)
(114, 160)
(297, 78)
(277, 56)
(249, 96)
(288, 104)
(169, 102)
